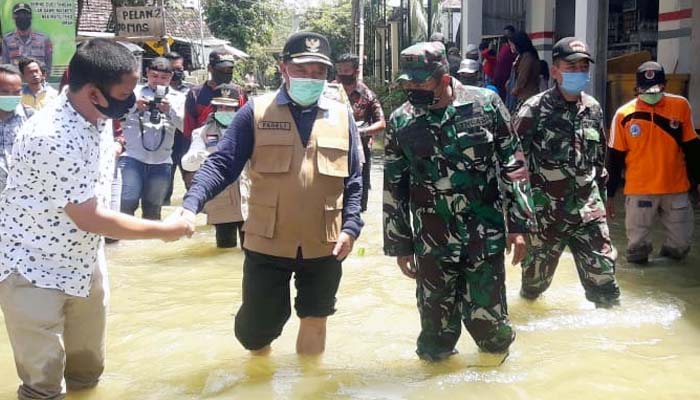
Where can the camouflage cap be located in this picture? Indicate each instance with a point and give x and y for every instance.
(422, 61)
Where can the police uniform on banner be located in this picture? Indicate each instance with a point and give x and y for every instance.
(16, 45)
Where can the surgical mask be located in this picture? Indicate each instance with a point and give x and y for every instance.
(9, 103)
(304, 91)
(23, 23)
(472, 80)
(224, 117)
(115, 108)
(346, 79)
(574, 82)
(421, 98)
(221, 77)
(651, 98)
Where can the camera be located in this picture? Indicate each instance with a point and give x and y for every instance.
(155, 116)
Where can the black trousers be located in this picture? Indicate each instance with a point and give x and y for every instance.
(366, 168)
(180, 147)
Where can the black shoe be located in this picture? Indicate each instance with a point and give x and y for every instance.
(111, 241)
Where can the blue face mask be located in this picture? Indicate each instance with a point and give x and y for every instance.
(574, 82)
(306, 92)
(224, 117)
(9, 103)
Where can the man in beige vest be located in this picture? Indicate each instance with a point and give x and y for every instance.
(304, 204)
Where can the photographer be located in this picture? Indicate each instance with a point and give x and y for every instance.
(149, 131)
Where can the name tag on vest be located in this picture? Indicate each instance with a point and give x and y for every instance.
(276, 126)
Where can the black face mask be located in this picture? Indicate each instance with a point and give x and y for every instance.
(115, 108)
(346, 79)
(178, 74)
(23, 23)
(221, 77)
(421, 98)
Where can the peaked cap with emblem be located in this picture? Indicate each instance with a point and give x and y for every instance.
(307, 47)
(650, 77)
(422, 61)
(571, 49)
(229, 96)
(21, 7)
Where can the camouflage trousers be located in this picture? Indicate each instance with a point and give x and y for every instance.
(470, 292)
(593, 253)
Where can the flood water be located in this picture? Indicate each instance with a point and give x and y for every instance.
(170, 333)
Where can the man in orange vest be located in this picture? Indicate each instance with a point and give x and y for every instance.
(304, 203)
(653, 138)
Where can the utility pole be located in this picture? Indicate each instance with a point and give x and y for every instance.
(164, 39)
(201, 32)
(361, 37)
(430, 18)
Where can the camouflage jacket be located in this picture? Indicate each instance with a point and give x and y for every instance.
(566, 147)
(455, 169)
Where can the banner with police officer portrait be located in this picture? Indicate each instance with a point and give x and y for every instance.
(41, 29)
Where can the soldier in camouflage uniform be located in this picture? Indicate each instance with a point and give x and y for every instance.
(452, 164)
(562, 134)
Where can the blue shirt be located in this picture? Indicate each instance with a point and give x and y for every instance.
(225, 165)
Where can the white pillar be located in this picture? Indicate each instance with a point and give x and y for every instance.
(394, 49)
(591, 27)
(694, 84)
(539, 23)
(674, 36)
(472, 19)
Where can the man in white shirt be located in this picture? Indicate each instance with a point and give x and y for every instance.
(149, 131)
(53, 214)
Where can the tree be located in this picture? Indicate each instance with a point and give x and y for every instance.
(333, 20)
(244, 22)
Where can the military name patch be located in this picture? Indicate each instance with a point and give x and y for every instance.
(473, 122)
(635, 130)
(276, 126)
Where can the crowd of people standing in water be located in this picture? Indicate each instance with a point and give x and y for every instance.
(470, 174)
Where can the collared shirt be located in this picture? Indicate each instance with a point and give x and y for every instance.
(153, 143)
(9, 128)
(59, 158)
(566, 149)
(225, 165)
(39, 99)
(366, 108)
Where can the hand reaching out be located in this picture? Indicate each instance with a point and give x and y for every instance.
(178, 224)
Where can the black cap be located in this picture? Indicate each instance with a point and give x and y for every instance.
(571, 49)
(21, 7)
(220, 58)
(160, 64)
(650, 77)
(307, 47)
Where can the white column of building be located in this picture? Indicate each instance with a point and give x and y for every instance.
(539, 23)
(694, 89)
(472, 17)
(591, 27)
(674, 36)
